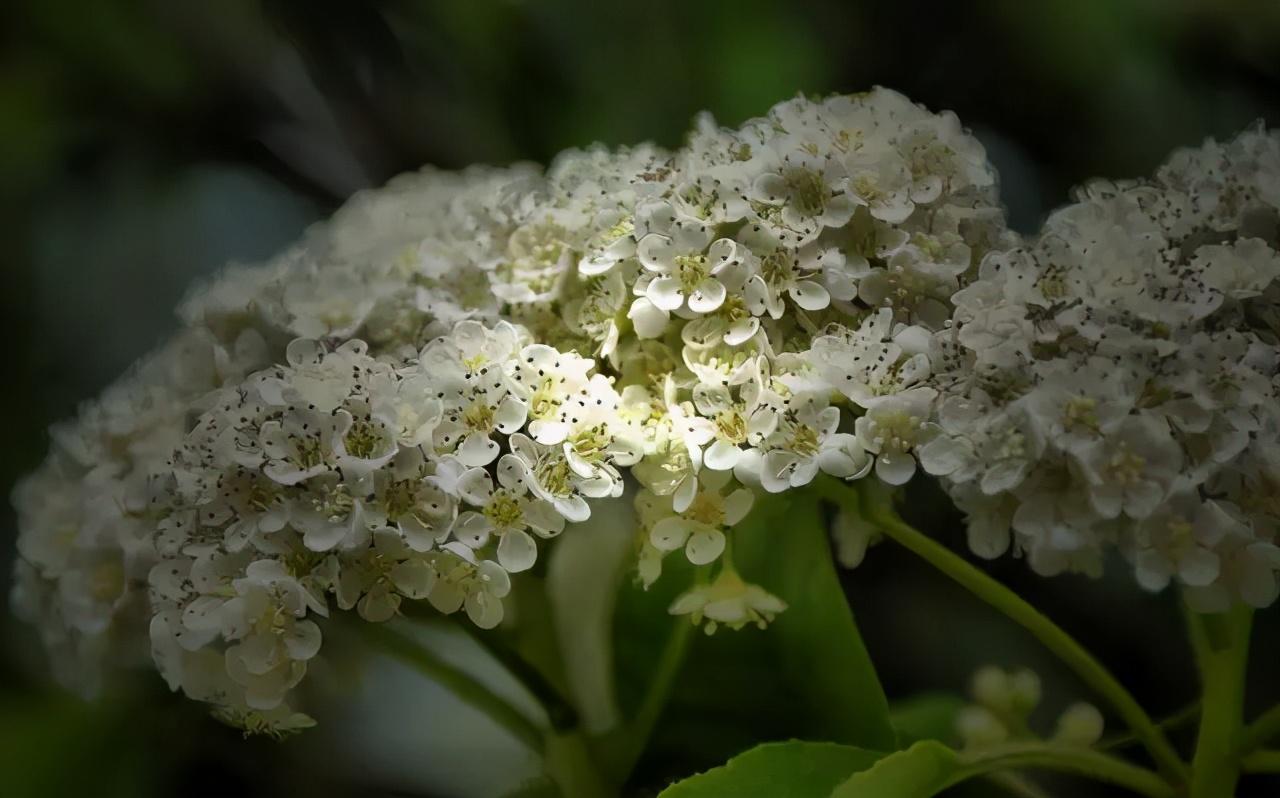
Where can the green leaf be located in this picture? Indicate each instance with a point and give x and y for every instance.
(807, 676)
(538, 787)
(778, 770)
(927, 716)
(816, 640)
(55, 744)
(923, 770)
(586, 568)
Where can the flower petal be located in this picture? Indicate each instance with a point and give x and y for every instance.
(704, 546)
(669, 534)
(707, 296)
(517, 551)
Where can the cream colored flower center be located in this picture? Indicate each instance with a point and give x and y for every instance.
(690, 270)
(808, 191)
(1125, 466)
(478, 416)
(504, 511)
(707, 508)
(363, 439)
(731, 427)
(804, 441)
(1080, 413)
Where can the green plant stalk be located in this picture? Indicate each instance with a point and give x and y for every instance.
(1264, 728)
(1016, 785)
(1221, 645)
(570, 762)
(560, 712)
(567, 756)
(622, 751)
(1067, 759)
(1177, 720)
(1262, 762)
(1013, 606)
(456, 681)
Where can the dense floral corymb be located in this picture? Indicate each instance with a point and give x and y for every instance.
(405, 404)
(1113, 382)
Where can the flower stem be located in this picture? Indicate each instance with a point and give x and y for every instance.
(1221, 644)
(458, 682)
(1083, 761)
(1178, 719)
(1263, 729)
(560, 712)
(636, 733)
(1016, 785)
(1262, 762)
(1053, 637)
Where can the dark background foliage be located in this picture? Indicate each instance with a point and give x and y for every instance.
(143, 144)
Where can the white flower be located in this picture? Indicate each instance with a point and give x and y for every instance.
(506, 513)
(615, 243)
(538, 257)
(376, 579)
(671, 470)
(408, 405)
(1132, 471)
(1076, 405)
(265, 618)
(326, 302)
(919, 279)
(319, 379)
(420, 502)
(598, 313)
(891, 430)
(778, 272)
(546, 472)
(805, 442)
(880, 182)
(329, 516)
(801, 192)
(1178, 540)
(362, 442)
(545, 379)
(725, 423)
(1239, 270)
(699, 529)
(688, 268)
(298, 446)
(997, 447)
(467, 582)
(942, 156)
(730, 601)
(258, 507)
(871, 361)
(476, 390)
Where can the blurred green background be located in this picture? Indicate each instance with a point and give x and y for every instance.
(143, 144)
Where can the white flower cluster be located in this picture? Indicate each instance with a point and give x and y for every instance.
(86, 541)
(1113, 382)
(401, 406)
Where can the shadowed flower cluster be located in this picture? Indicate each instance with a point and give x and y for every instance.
(408, 402)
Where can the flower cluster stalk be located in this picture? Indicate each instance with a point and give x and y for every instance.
(1221, 645)
(1061, 644)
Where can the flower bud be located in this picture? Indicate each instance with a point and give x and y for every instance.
(1080, 724)
(978, 727)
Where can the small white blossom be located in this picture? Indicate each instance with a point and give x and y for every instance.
(699, 529)
(729, 601)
